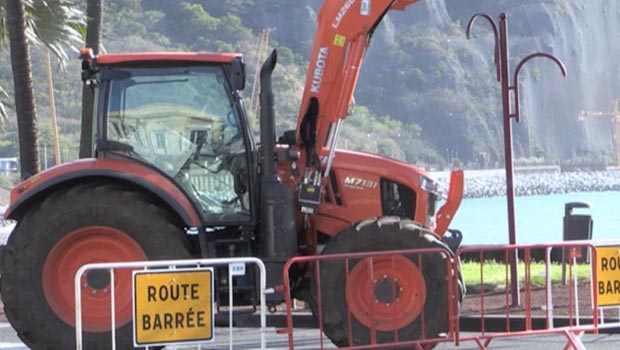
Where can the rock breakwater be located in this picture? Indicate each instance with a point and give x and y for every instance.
(492, 183)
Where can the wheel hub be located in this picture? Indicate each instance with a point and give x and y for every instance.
(386, 290)
(391, 301)
(98, 279)
(85, 245)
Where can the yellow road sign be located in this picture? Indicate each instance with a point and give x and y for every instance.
(608, 275)
(172, 306)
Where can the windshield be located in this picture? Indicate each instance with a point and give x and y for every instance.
(182, 120)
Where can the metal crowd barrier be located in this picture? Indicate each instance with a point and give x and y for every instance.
(499, 321)
(506, 320)
(352, 260)
(178, 265)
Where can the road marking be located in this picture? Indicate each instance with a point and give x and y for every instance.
(12, 346)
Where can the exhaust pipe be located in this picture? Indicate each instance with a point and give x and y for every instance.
(267, 117)
(278, 235)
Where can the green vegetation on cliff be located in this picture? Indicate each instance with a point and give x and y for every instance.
(426, 94)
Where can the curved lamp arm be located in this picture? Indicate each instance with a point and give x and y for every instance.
(515, 78)
(470, 24)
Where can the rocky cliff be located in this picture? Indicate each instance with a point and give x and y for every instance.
(422, 69)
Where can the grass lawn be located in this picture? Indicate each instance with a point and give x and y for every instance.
(494, 273)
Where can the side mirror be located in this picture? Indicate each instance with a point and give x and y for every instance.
(237, 77)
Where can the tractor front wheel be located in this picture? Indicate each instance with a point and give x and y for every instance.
(383, 299)
(83, 224)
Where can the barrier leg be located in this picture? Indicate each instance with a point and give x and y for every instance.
(481, 345)
(574, 340)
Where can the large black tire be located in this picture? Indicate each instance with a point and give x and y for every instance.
(339, 289)
(95, 223)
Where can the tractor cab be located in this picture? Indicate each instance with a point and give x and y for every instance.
(180, 114)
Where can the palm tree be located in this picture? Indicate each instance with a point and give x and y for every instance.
(94, 14)
(24, 93)
(54, 23)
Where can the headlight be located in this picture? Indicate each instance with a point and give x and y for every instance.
(428, 184)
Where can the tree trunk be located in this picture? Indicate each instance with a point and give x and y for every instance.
(24, 94)
(94, 14)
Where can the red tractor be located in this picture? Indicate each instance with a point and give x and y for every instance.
(176, 174)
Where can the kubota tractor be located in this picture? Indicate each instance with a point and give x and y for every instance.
(176, 173)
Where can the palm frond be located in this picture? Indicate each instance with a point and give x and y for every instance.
(56, 23)
(5, 102)
(4, 31)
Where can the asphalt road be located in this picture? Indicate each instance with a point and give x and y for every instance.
(307, 339)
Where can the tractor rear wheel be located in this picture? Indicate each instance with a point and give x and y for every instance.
(82, 224)
(404, 296)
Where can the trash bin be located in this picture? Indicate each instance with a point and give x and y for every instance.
(576, 227)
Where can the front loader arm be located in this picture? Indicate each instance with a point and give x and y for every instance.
(455, 195)
(343, 34)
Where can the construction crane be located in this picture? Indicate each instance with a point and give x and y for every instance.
(615, 115)
(261, 52)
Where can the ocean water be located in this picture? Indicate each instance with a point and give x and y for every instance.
(539, 219)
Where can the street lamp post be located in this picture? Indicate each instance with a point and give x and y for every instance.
(502, 68)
